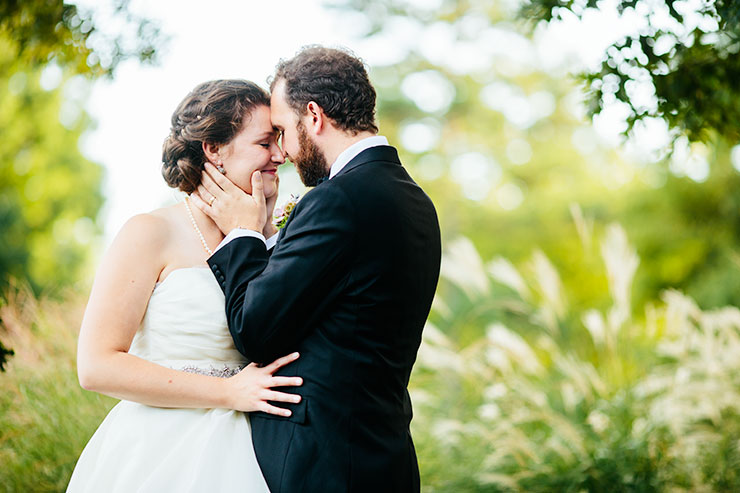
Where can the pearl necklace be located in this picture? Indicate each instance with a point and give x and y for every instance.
(197, 229)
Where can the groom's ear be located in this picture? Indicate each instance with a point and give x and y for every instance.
(315, 116)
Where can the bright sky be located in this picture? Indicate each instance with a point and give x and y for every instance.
(209, 40)
(226, 39)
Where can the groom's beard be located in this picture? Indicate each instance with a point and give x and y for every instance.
(310, 161)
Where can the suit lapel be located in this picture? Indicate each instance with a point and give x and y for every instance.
(377, 153)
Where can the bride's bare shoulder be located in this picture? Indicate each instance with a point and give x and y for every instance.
(151, 229)
(170, 215)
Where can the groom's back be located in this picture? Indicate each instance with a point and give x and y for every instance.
(352, 431)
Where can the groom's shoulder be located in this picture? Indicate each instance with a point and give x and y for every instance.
(376, 168)
(373, 155)
(330, 194)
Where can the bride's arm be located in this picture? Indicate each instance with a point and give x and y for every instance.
(118, 301)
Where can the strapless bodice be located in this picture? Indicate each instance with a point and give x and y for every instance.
(151, 449)
(185, 324)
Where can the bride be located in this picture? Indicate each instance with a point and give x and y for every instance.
(154, 332)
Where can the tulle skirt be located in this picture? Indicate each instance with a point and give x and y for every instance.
(140, 448)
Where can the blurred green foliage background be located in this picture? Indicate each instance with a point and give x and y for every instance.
(583, 337)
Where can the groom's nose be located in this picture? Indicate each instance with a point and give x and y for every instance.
(278, 156)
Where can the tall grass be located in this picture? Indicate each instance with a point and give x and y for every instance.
(45, 417)
(550, 399)
(515, 389)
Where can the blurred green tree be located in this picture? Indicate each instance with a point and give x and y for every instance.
(44, 31)
(498, 136)
(686, 53)
(50, 52)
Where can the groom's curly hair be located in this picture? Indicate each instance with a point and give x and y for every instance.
(333, 78)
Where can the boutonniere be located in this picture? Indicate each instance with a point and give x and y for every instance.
(280, 215)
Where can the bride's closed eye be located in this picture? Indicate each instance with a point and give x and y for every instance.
(269, 143)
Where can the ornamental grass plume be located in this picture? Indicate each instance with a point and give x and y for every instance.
(546, 399)
(514, 390)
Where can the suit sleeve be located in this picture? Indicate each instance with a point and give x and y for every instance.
(273, 301)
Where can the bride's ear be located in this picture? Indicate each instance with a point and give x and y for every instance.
(211, 152)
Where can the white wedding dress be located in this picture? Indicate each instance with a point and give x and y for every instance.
(141, 448)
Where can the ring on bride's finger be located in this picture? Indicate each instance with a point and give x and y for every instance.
(210, 202)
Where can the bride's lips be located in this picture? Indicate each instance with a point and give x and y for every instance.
(270, 171)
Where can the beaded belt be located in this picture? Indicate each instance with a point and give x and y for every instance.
(213, 371)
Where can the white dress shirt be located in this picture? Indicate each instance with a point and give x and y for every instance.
(339, 163)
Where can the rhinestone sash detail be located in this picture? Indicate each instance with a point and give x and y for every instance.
(212, 371)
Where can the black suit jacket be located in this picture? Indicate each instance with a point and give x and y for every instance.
(349, 285)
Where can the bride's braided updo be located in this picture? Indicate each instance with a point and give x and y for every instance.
(213, 112)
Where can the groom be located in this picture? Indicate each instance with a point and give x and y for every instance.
(349, 285)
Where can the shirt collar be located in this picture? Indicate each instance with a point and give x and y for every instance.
(349, 153)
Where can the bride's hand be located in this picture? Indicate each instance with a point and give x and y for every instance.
(228, 205)
(251, 389)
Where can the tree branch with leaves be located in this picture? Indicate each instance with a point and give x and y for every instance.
(50, 194)
(685, 52)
